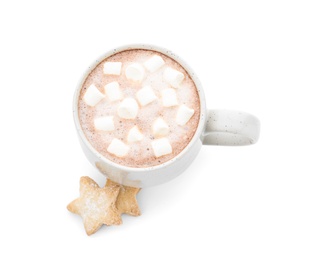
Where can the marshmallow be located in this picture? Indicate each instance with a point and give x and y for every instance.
(118, 148)
(145, 95)
(134, 135)
(112, 90)
(173, 77)
(105, 123)
(135, 72)
(92, 96)
(154, 63)
(169, 97)
(128, 108)
(112, 68)
(184, 113)
(161, 147)
(160, 127)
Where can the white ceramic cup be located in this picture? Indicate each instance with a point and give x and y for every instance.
(216, 127)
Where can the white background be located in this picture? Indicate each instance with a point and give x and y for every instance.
(253, 202)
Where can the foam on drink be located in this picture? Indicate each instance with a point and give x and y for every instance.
(134, 141)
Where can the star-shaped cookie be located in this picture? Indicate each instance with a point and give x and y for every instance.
(126, 201)
(96, 205)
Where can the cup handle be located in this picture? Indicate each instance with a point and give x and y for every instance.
(232, 128)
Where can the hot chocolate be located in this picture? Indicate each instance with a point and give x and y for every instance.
(139, 108)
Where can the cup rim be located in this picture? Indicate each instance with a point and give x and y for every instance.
(171, 55)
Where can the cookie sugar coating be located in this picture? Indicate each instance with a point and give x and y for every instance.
(96, 205)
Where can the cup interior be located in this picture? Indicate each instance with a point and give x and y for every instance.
(202, 118)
